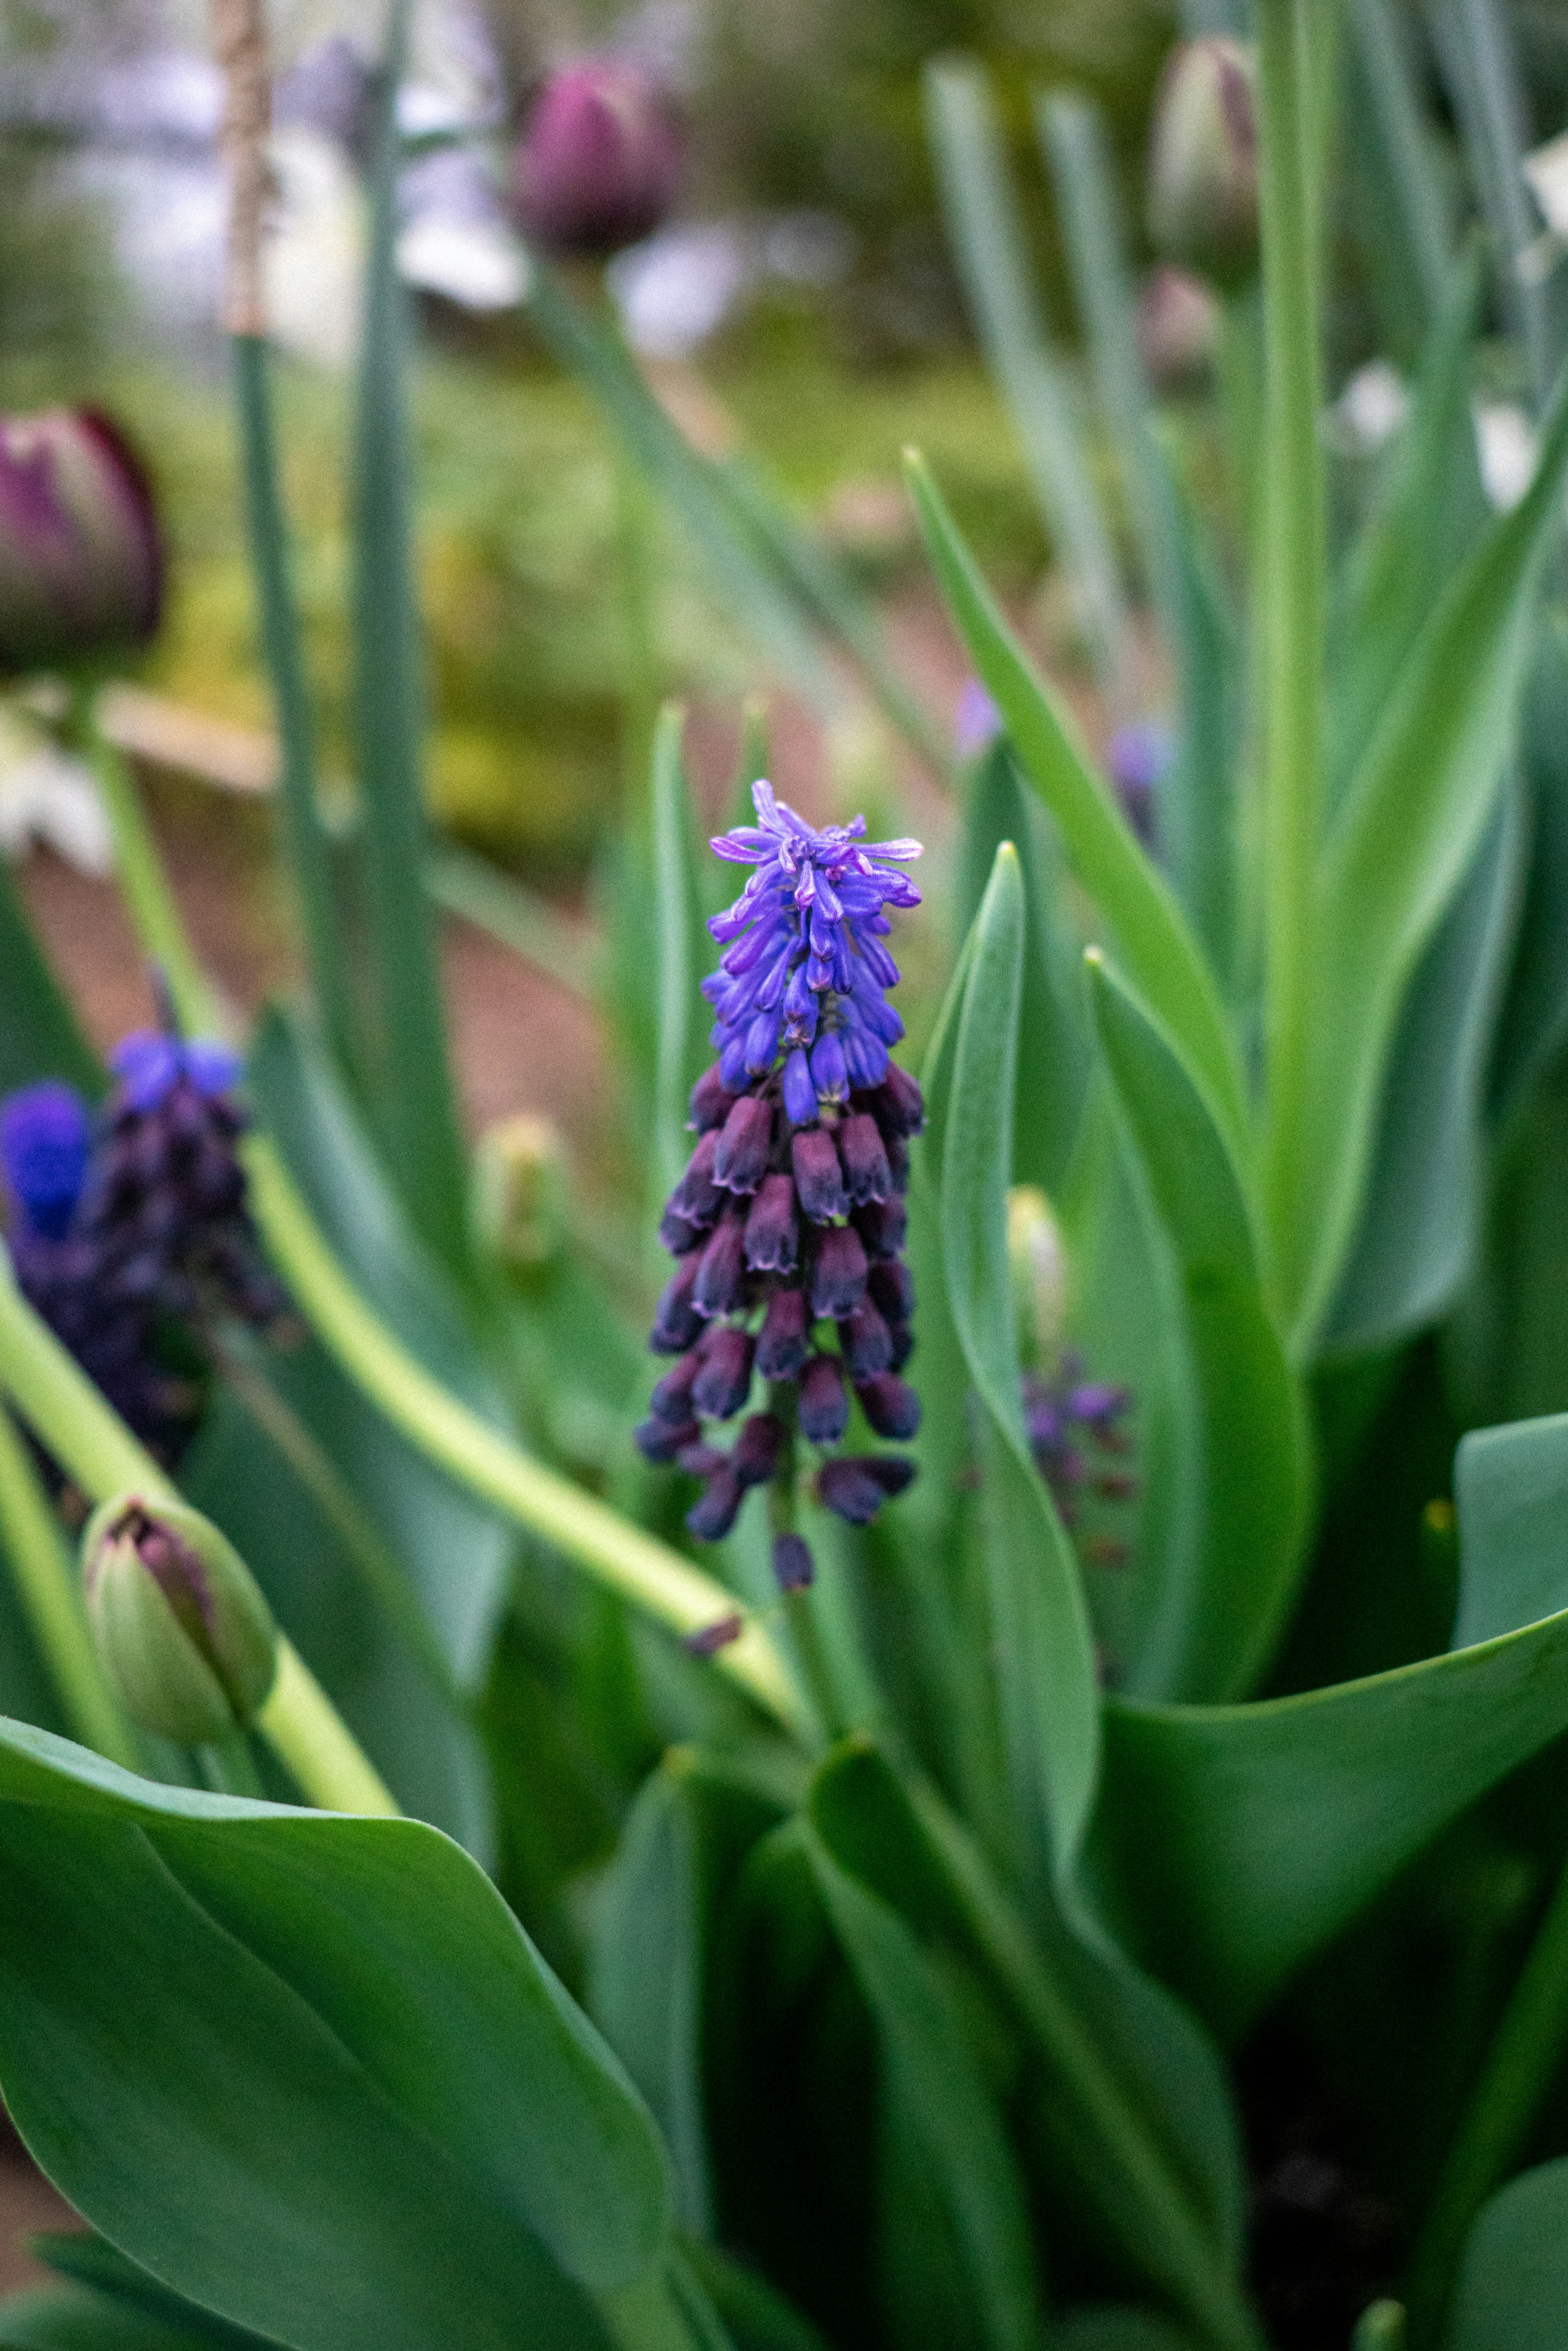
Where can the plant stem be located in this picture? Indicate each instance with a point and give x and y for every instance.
(139, 872)
(93, 1445)
(1291, 618)
(800, 1605)
(1524, 2056)
(228, 1768)
(635, 1564)
(47, 1588)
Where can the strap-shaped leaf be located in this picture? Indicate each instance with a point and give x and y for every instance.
(1228, 1570)
(39, 1035)
(681, 942)
(1154, 942)
(1044, 1654)
(1513, 2286)
(1409, 825)
(306, 2070)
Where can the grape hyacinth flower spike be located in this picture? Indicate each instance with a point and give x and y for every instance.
(788, 1224)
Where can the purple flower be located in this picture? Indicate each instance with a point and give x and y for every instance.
(677, 1323)
(856, 1485)
(824, 1406)
(881, 1225)
(600, 163)
(839, 1275)
(757, 1448)
(819, 1177)
(794, 1569)
(772, 1227)
(45, 1135)
(867, 1342)
(864, 1155)
(725, 1629)
(81, 561)
(721, 1269)
(1070, 1422)
(724, 1381)
(711, 1101)
(782, 1341)
(1139, 756)
(663, 1441)
(976, 721)
(740, 1155)
(890, 1406)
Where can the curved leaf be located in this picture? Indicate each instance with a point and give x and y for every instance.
(306, 2070)
(1227, 1575)
(681, 943)
(40, 1034)
(1512, 2289)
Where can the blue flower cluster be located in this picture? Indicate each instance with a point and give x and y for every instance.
(124, 1225)
(791, 1214)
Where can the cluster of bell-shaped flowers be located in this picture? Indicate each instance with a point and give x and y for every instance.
(129, 1224)
(788, 1224)
(1077, 1431)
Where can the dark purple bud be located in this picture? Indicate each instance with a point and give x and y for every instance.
(716, 1636)
(672, 1397)
(758, 1447)
(883, 1226)
(824, 1406)
(678, 1324)
(898, 1161)
(867, 1343)
(724, 1381)
(700, 1459)
(800, 1093)
(678, 1236)
(793, 1567)
(898, 1106)
(721, 1269)
(839, 1275)
(1097, 1403)
(856, 1487)
(892, 1287)
(662, 1441)
(819, 1178)
(599, 164)
(714, 1511)
(696, 1198)
(902, 1338)
(740, 1159)
(829, 1075)
(866, 1173)
(81, 562)
(891, 1406)
(772, 1235)
(781, 1343)
(711, 1101)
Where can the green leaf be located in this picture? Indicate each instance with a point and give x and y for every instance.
(71, 2319)
(412, 1094)
(1158, 949)
(1535, 1015)
(1040, 1626)
(682, 957)
(1410, 238)
(40, 1034)
(1228, 1569)
(306, 2070)
(758, 2317)
(1513, 2288)
(1237, 1840)
(1105, 2328)
(90, 2262)
(949, 2111)
(1416, 1246)
(1408, 827)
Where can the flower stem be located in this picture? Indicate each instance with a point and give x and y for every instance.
(66, 1411)
(800, 1605)
(1521, 2064)
(47, 1588)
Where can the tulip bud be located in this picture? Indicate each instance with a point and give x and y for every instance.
(601, 162)
(1178, 327)
(1039, 1271)
(81, 562)
(520, 1192)
(186, 1636)
(1203, 165)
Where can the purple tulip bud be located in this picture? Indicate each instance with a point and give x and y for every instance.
(714, 1513)
(771, 1228)
(45, 1137)
(781, 1343)
(711, 1101)
(866, 1173)
(756, 1448)
(829, 1075)
(1203, 160)
(824, 1406)
(890, 1406)
(839, 1276)
(856, 1487)
(81, 562)
(867, 1342)
(740, 1157)
(721, 1269)
(672, 1397)
(883, 1224)
(600, 163)
(677, 1323)
(663, 1441)
(819, 1178)
(800, 1093)
(892, 1287)
(1179, 326)
(794, 1569)
(724, 1381)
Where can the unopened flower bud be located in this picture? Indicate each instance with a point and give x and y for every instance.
(600, 163)
(81, 563)
(1203, 163)
(1038, 1271)
(520, 1191)
(178, 1621)
(1178, 329)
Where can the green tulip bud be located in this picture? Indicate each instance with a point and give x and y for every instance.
(186, 1636)
(1038, 1264)
(1203, 163)
(520, 1192)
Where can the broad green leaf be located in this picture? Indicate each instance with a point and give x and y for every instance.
(1535, 1015)
(1416, 1245)
(1054, 1045)
(1404, 218)
(307, 2071)
(1197, 815)
(411, 1095)
(91, 2261)
(682, 960)
(73, 2318)
(1040, 1627)
(757, 2314)
(958, 2136)
(40, 1034)
(1154, 942)
(649, 1968)
(1228, 1569)
(985, 230)
(1409, 825)
(1512, 2289)
(1104, 2328)
(1237, 1840)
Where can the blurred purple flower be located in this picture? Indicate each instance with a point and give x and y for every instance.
(601, 162)
(1139, 756)
(81, 561)
(976, 721)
